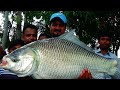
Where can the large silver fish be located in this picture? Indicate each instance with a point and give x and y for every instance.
(58, 58)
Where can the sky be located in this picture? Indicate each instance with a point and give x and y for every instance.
(119, 53)
(1, 19)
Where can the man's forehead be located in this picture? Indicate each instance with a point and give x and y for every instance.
(58, 21)
(30, 31)
(105, 37)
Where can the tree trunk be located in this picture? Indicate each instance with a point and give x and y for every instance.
(5, 33)
(19, 20)
(117, 48)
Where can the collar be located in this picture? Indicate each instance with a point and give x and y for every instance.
(99, 51)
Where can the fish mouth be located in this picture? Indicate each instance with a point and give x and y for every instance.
(7, 63)
(4, 63)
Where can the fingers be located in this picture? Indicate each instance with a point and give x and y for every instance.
(85, 74)
(88, 74)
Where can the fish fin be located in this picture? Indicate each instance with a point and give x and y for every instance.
(70, 36)
(114, 68)
(117, 73)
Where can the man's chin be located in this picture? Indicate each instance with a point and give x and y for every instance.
(56, 34)
(104, 48)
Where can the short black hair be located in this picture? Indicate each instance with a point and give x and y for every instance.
(15, 42)
(103, 34)
(44, 34)
(57, 19)
(30, 26)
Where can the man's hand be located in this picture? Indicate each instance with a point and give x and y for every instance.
(85, 74)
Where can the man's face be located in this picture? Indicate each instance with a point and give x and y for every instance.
(42, 37)
(104, 42)
(29, 35)
(13, 48)
(57, 28)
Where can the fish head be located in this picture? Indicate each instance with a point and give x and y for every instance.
(19, 61)
(16, 55)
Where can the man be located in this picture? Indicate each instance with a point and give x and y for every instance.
(14, 45)
(29, 33)
(43, 36)
(5, 74)
(104, 41)
(2, 52)
(58, 23)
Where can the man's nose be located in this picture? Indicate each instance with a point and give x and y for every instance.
(105, 41)
(57, 27)
(31, 37)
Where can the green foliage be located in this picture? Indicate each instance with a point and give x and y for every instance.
(45, 15)
(84, 22)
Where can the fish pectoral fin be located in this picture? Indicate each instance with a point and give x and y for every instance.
(113, 68)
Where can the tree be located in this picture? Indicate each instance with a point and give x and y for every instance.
(19, 21)
(5, 38)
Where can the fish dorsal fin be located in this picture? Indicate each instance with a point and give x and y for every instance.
(70, 36)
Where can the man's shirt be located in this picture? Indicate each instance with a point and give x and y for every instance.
(109, 55)
(6, 74)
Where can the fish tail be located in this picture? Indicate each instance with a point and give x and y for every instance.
(117, 73)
